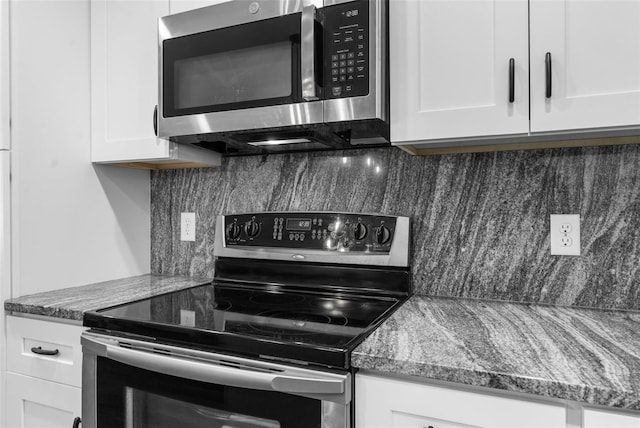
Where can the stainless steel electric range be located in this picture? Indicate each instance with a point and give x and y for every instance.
(267, 344)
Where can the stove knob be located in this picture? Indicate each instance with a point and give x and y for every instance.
(233, 231)
(383, 234)
(252, 229)
(337, 229)
(360, 232)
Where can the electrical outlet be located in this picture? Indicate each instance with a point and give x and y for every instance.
(565, 241)
(565, 228)
(565, 234)
(188, 226)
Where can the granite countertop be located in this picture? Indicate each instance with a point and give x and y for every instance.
(72, 303)
(587, 355)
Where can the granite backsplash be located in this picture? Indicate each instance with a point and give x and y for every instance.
(480, 220)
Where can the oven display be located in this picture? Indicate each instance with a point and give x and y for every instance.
(298, 224)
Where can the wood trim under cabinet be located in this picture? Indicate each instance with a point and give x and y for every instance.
(610, 141)
(155, 166)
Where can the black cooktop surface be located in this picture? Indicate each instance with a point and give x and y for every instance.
(265, 321)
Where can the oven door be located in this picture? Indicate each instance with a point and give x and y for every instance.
(239, 65)
(138, 384)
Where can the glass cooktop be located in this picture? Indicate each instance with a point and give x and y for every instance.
(265, 321)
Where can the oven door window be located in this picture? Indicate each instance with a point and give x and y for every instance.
(245, 66)
(129, 397)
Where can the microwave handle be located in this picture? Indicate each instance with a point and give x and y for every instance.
(307, 53)
(155, 120)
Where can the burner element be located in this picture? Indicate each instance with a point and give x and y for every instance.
(293, 324)
(304, 317)
(276, 298)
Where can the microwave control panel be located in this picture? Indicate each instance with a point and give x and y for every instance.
(346, 32)
(360, 233)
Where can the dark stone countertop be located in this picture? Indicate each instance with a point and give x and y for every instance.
(72, 303)
(587, 355)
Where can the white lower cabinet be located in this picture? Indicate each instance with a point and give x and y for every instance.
(37, 403)
(44, 373)
(392, 403)
(387, 402)
(597, 418)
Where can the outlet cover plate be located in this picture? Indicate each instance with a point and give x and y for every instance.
(563, 226)
(188, 226)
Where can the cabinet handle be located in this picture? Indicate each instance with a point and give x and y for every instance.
(76, 422)
(547, 64)
(155, 120)
(41, 351)
(512, 80)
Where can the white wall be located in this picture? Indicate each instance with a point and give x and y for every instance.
(5, 201)
(73, 223)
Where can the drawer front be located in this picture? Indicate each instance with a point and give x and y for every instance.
(413, 421)
(27, 342)
(383, 402)
(37, 403)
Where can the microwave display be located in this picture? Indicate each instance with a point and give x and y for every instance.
(347, 57)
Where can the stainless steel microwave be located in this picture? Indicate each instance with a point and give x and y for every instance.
(245, 76)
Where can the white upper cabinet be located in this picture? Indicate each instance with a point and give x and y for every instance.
(450, 68)
(594, 49)
(124, 88)
(5, 83)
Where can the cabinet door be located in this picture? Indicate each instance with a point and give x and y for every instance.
(449, 68)
(124, 79)
(594, 49)
(391, 403)
(177, 6)
(35, 403)
(592, 418)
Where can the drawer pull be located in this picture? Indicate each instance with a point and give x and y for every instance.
(41, 351)
(77, 422)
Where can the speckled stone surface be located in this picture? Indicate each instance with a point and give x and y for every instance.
(592, 356)
(480, 220)
(72, 303)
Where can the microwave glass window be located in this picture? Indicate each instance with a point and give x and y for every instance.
(147, 410)
(244, 66)
(255, 73)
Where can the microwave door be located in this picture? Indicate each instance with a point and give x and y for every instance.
(239, 73)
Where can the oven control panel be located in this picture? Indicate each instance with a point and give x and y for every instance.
(347, 58)
(341, 232)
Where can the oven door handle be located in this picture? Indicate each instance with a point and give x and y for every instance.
(183, 367)
(308, 53)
